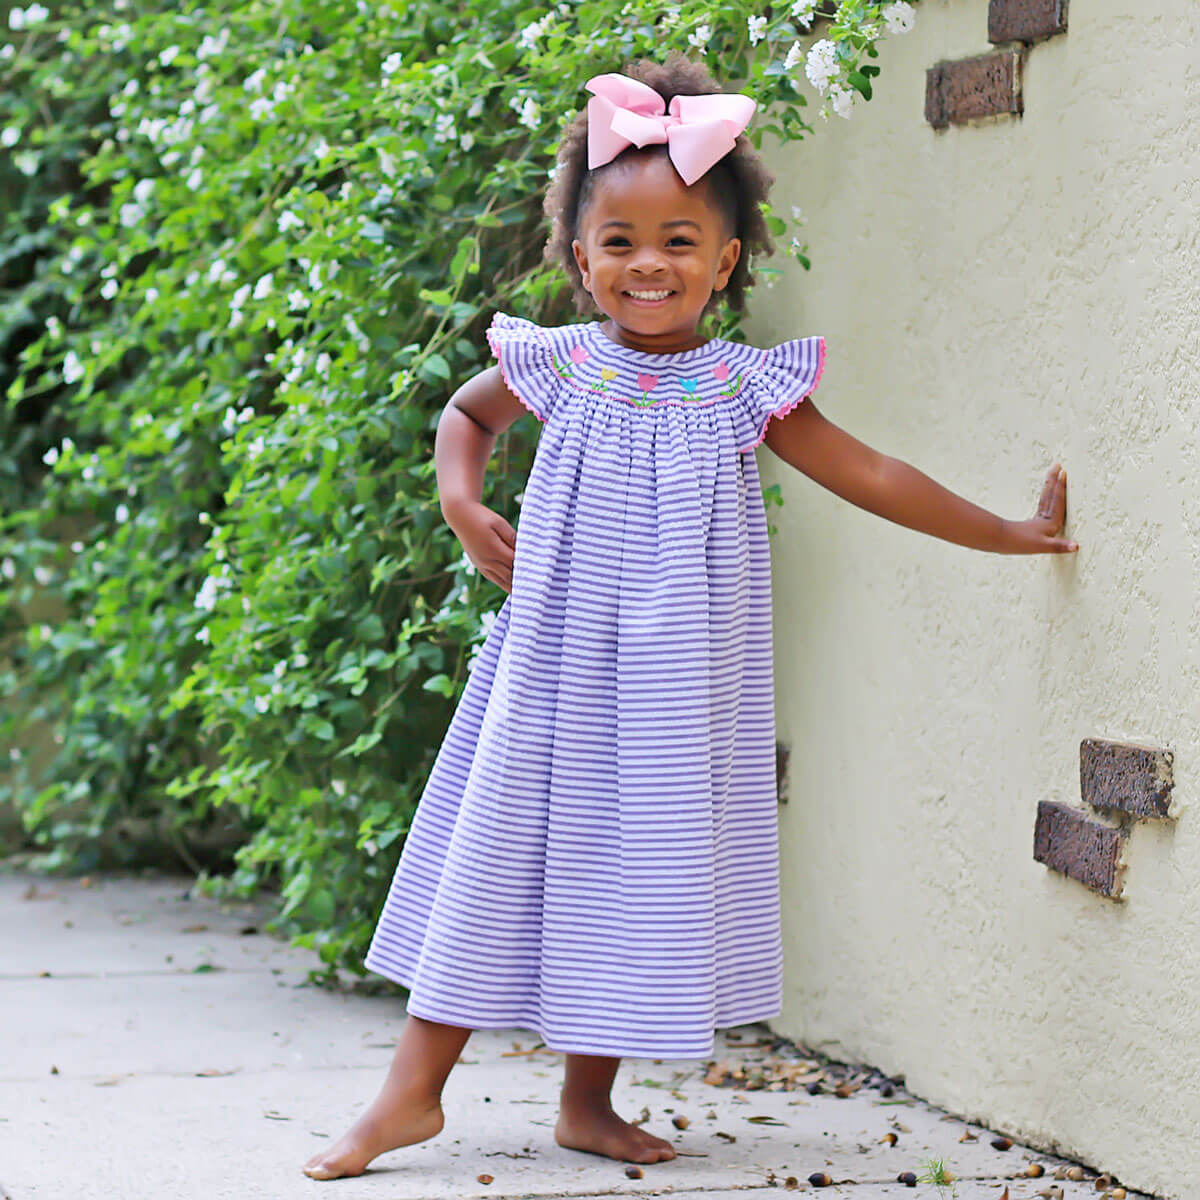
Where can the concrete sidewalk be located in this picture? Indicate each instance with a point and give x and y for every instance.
(155, 1047)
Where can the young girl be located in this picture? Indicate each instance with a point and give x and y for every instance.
(595, 855)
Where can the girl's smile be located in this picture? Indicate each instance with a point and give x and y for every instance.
(651, 252)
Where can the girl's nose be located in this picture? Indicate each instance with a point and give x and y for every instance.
(647, 261)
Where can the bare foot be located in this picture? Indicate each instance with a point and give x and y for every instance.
(601, 1131)
(393, 1120)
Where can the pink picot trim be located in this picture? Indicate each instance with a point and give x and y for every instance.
(783, 410)
(495, 348)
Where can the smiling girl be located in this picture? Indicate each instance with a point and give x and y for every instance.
(595, 854)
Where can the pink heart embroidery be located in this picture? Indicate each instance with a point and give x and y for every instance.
(721, 371)
(647, 382)
(578, 355)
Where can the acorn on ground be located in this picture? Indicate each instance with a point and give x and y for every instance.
(908, 1178)
(1075, 1174)
(890, 1138)
(1002, 1143)
(634, 1172)
(819, 1179)
(680, 1122)
(1033, 1171)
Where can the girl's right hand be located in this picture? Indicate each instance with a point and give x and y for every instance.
(488, 539)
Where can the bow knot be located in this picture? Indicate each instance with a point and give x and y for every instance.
(698, 130)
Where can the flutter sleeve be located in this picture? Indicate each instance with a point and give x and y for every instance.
(526, 357)
(786, 375)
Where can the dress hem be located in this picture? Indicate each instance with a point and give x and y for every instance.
(595, 1048)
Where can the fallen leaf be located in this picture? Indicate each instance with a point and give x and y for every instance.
(194, 928)
(212, 1071)
(765, 1121)
(272, 1115)
(727, 1136)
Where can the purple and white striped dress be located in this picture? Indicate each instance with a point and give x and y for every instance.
(595, 855)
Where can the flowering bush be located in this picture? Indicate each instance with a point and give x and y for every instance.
(257, 247)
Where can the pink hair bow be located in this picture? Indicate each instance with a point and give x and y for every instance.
(698, 130)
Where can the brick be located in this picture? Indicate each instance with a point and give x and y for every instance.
(1025, 20)
(1068, 840)
(969, 88)
(1123, 775)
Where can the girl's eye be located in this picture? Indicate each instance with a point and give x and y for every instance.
(616, 241)
(680, 238)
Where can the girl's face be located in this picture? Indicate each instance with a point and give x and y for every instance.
(651, 252)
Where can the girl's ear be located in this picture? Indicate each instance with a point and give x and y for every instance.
(582, 262)
(730, 253)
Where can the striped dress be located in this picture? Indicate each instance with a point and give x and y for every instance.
(595, 855)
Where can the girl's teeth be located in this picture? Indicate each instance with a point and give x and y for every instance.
(649, 295)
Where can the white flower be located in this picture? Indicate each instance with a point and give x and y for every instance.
(72, 367)
(530, 113)
(202, 634)
(899, 17)
(110, 289)
(476, 107)
(533, 31)
(757, 27)
(11, 135)
(700, 38)
(167, 56)
(262, 289)
(443, 128)
(288, 220)
(42, 575)
(51, 456)
(795, 56)
(300, 660)
(392, 63)
(671, 16)
(802, 10)
(8, 569)
(262, 703)
(842, 99)
(280, 668)
(18, 19)
(466, 141)
(122, 514)
(821, 65)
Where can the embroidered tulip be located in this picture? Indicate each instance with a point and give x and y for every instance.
(607, 374)
(721, 371)
(689, 385)
(647, 382)
(579, 355)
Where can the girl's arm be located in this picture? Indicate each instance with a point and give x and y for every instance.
(466, 434)
(891, 488)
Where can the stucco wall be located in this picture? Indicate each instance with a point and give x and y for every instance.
(996, 297)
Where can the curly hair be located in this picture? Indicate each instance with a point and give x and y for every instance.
(737, 184)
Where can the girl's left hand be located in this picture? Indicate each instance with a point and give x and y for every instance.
(1039, 535)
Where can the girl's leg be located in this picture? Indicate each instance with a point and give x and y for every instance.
(408, 1108)
(586, 1120)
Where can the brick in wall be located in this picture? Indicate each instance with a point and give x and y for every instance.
(1025, 20)
(986, 86)
(1067, 840)
(1122, 775)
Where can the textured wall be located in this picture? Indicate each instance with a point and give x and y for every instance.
(994, 297)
